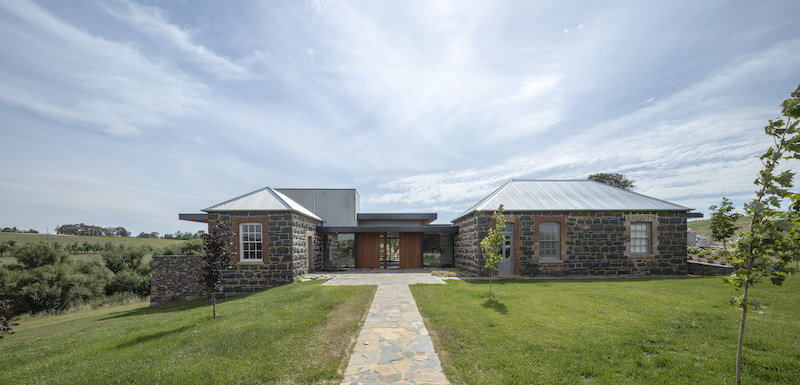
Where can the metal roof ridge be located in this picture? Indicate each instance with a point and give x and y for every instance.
(277, 196)
(644, 196)
(235, 199)
(482, 206)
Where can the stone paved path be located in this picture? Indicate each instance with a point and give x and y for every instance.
(394, 346)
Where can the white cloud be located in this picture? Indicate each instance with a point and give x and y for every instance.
(153, 21)
(81, 79)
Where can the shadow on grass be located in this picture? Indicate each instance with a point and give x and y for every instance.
(149, 337)
(496, 306)
(161, 309)
(175, 307)
(577, 279)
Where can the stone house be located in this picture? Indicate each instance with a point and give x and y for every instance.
(575, 227)
(554, 228)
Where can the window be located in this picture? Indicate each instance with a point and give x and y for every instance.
(640, 238)
(250, 242)
(549, 241)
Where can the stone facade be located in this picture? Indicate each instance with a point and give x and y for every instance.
(592, 243)
(291, 247)
(176, 278)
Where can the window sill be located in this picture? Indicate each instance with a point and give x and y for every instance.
(551, 261)
(249, 262)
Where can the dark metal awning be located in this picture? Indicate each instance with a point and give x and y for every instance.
(202, 218)
(389, 229)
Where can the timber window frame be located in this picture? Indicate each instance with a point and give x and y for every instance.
(251, 242)
(640, 238)
(549, 241)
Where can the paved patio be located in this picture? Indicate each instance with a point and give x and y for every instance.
(394, 346)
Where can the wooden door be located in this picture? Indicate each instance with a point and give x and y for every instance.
(410, 250)
(368, 250)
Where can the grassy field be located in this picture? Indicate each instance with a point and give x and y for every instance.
(21, 238)
(616, 331)
(703, 227)
(67, 239)
(295, 334)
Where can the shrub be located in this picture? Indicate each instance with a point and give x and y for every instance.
(33, 255)
(59, 286)
(129, 281)
(118, 259)
(193, 247)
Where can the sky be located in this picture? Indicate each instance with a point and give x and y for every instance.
(127, 113)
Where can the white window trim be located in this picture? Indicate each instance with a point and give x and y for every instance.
(242, 257)
(557, 241)
(648, 233)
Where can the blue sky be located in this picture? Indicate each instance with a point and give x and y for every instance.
(126, 113)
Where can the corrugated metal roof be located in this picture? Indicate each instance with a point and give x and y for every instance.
(265, 199)
(568, 195)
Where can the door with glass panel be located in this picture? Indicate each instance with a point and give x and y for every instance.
(506, 265)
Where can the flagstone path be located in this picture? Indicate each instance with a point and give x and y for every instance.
(394, 346)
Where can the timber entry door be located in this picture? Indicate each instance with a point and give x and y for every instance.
(410, 250)
(367, 250)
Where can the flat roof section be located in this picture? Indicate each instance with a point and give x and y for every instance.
(389, 229)
(202, 218)
(425, 218)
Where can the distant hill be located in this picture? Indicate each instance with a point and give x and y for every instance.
(21, 238)
(67, 239)
(703, 227)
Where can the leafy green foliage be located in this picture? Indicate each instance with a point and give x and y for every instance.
(219, 251)
(33, 255)
(58, 286)
(119, 259)
(5, 247)
(129, 281)
(774, 239)
(7, 303)
(491, 244)
(613, 179)
(723, 221)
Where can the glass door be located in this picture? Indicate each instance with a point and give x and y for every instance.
(390, 251)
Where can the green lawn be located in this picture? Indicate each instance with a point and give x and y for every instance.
(614, 331)
(295, 334)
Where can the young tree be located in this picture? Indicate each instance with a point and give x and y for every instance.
(491, 245)
(723, 222)
(766, 250)
(219, 250)
(4, 246)
(613, 179)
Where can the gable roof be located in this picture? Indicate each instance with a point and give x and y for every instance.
(265, 199)
(567, 195)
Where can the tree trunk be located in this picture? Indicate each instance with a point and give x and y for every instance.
(214, 304)
(490, 283)
(741, 338)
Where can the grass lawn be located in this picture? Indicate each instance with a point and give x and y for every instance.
(612, 331)
(295, 334)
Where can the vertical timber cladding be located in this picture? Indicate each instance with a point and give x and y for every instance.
(368, 250)
(410, 250)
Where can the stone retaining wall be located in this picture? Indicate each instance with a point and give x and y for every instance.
(176, 278)
(708, 269)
